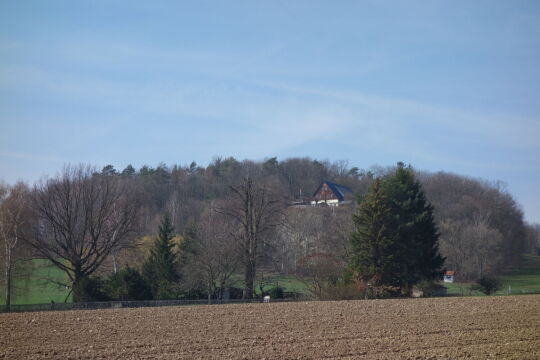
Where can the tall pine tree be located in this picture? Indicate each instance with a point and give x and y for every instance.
(160, 267)
(395, 241)
(419, 257)
(374, 241)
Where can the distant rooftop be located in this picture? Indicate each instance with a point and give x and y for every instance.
(339, 190)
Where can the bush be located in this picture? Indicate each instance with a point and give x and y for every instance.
(128, 284)
(166, 290)
(321, 272)
(488, 285)
(235, 293)
(342, 291)
(428, 288)
(276, 292)
(294, 295)
(91, 288)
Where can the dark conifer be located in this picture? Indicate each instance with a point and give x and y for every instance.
(160, 268)
(419, 257)
(374, 240)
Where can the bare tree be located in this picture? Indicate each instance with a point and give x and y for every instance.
(472, 248)
(320, 272)
(459, 199)
(298, 236)
(311, 230)
(256, 211)
(81, 218)
(485, 247)
(533, 239)
(213, 258)
(13, 218)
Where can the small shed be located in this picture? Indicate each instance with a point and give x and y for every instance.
(449, 276)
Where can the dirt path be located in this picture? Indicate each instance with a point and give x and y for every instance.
(444, 328)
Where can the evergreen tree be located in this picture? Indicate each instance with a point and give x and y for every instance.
(160, 268)
(128, 171)
(108, 170)
(128, 284)
(395, 241)
(418, 255)
(374, 242)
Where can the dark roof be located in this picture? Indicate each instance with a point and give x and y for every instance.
(338, 190)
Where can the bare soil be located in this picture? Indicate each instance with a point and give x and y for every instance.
(443, 328)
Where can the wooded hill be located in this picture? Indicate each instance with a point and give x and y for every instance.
(480, 223)
(482, 231)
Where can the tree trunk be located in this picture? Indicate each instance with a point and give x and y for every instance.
(8, 284)
(77, 292)
(115, 269)
(78, 287)
(481, 264)
(221, 289)
(249, 279)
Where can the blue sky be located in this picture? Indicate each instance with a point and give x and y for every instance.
(442, 85)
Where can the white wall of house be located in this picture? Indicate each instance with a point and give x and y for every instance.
(448, 278)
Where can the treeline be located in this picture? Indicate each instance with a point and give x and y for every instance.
(481, 226)
(185, 191)
(231, 223)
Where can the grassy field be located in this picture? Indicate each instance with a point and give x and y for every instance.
(523, 279)
(37, 282)
(288, 283)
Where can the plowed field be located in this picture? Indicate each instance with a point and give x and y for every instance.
(444, 328)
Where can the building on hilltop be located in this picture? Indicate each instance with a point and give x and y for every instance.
(327, 194)
(332, 194)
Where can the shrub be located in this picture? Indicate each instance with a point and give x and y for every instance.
(428, 288)
(320, 272)
(276, 292)
(342, 291)
(488, 285)
(235, 293)
(192, 294)
(294, 295)
(91, 288)
(128, 284)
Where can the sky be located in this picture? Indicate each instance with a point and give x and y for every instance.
(443, 85)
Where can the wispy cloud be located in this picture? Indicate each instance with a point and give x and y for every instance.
(507, 130)
(32, 157)
(280, 115)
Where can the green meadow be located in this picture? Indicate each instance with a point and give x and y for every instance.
(523, 279)
(37, 281)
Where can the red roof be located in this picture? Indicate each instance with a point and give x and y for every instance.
(450, 273)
